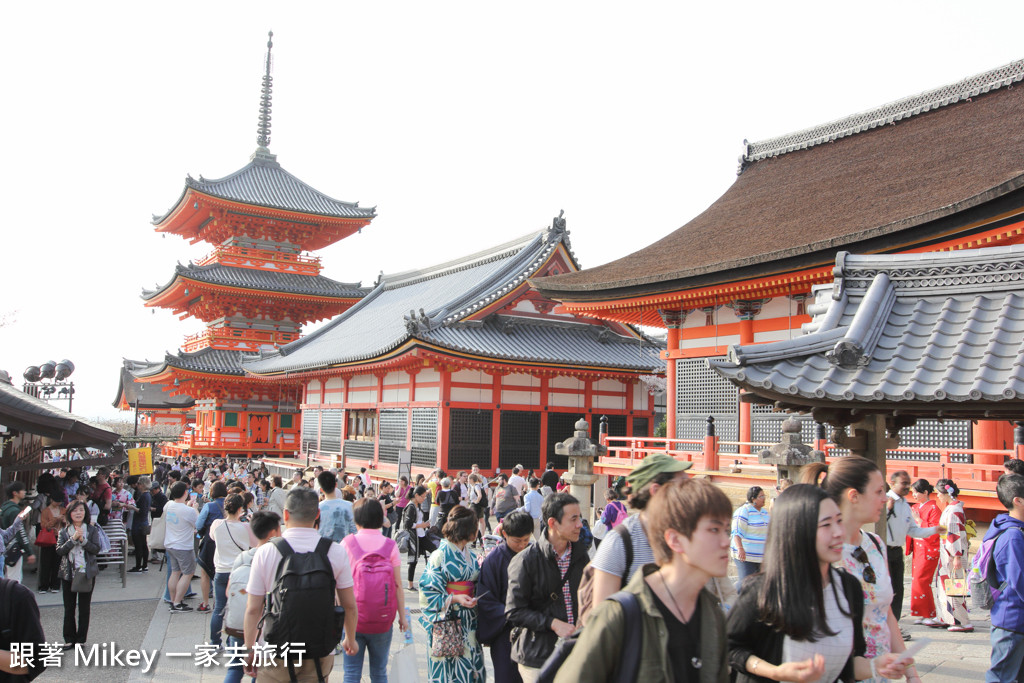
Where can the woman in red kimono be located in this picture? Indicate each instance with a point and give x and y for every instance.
(926, 555)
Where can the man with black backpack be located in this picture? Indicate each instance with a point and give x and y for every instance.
(311, 571)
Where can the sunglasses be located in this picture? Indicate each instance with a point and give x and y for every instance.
(869, 571)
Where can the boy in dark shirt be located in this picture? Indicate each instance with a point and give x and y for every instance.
(494, 631)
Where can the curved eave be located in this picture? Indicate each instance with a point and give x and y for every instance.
(172, 295)
(415, 345)
(192, 210)
(946, 408)
(563, 288)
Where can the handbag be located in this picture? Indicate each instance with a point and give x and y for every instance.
(13, 554)
(156, 533)
(446, 638)
(103, 540)
(403, 665)
(956, 586)
(599, 530)
(81, 583)
(46, 538)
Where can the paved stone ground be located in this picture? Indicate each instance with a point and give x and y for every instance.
(135, 617)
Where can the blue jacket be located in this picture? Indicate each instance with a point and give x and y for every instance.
(491, 607)
(1008, 610)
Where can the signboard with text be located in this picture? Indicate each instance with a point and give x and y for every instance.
(140, 460)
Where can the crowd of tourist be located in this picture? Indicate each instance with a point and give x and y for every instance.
(818, 596)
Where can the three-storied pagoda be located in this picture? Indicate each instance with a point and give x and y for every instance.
(254, 291)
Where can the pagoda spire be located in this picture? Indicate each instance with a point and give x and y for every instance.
(263, 130)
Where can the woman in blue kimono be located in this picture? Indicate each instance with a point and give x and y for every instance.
(451, 573)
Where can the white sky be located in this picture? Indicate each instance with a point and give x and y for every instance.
(465, 123)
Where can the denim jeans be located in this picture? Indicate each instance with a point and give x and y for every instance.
(1007, 657)
(745, 569)
(235, 673)
(220, 601)
(379, 645)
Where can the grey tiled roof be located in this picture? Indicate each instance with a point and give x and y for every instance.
(907, 330)
(211, 361)
(431, 304)
(60, 428)
(251, 278)
(149, 396)
(886, 114)
(531, 340)
(262, 182)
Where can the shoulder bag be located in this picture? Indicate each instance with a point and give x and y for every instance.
(447, 638)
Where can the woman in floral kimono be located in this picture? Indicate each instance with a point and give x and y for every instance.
(926, 556)
(451, 573)
(952, 558)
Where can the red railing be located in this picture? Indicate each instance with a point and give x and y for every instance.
(977, 481)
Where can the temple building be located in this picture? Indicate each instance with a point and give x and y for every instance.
(465, 363)
(254, 291)
(938, 171)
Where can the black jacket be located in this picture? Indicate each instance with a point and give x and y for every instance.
(535, 598)
(749, 635)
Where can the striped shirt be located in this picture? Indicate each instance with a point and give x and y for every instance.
(751, 526)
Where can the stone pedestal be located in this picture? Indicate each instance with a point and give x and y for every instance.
(791, 454)
(581, 452)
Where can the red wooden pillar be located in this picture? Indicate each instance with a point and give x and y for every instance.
(496, 418)
(991, 435)
(543, 421)
(673, 323)
(444, 418)
(380, 400)
(746, 310)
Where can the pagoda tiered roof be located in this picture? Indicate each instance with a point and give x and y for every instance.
(206, 361)
(453, 309)
(887, 179)
(307, 297)
(261, 280)
(262, 190)
(915, 335)
(145, 395)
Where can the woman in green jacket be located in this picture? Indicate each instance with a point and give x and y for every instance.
(682, 627)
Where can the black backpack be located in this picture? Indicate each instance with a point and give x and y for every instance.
(300, 606)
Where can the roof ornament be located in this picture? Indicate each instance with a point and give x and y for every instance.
(557, 225)
(263, 130)
(415, 324)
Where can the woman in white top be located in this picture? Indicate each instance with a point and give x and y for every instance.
(800, 619)
(233, 537)
(858, 487)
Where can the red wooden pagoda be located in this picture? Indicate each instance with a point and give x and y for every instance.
(254, 291)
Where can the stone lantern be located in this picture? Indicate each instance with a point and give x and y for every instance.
(791, 454)
(581, 452)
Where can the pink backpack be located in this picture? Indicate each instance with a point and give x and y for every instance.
(621, 513)
(375, 587)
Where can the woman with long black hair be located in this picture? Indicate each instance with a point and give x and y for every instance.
(803, 619)
(926, 555)
(413, 521)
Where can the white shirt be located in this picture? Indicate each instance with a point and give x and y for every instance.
(180, 529)
(900, 523)
(518, 482)
(302, 540)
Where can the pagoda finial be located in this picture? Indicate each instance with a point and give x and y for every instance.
(263, 132)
